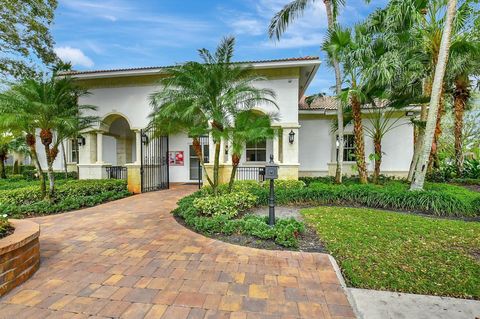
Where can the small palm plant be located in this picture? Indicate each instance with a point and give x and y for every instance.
(249, 127)
(204, 98)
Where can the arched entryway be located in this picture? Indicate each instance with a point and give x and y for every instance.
(119, 142)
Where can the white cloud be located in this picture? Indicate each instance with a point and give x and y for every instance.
(73, 55)
(248, 26)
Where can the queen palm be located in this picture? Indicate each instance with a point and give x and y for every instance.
(206, 97)
(49, 106)
(249, 127)
(278, 26)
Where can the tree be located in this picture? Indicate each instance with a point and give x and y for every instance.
(6, 139)
(51, 107)
(206, 97)
(278, 26)
(249, 127)
(420, 169)
(25, 35)
(352, 50)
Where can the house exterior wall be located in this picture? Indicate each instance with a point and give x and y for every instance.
(318, 147)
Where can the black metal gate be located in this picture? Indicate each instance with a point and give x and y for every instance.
(154, 169)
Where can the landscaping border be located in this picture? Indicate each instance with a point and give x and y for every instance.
(19, 254)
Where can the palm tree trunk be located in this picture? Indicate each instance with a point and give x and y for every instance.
(419, 138)
(378, 158)
(197, 147)
(434, 161)
(65, 167)
(51, 181)
(3, 174)
(216, 165)
(359, 140)
(460, 98)
(338, 90)
(235, 163)
(30, 140)
(420, 170)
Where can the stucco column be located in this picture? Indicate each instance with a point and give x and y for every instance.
(99, 147)
(276, 146)
(138, 147)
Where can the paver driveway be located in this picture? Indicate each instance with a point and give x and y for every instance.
(131, 259)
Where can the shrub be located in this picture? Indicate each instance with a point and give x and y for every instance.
(32, 175)
(285, 184)
(227, 205)
(72, 194)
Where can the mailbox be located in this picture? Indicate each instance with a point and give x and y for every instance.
(271, 169)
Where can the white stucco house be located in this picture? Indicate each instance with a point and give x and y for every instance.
(304, 146)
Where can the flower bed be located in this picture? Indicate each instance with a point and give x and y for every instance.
(19, 255)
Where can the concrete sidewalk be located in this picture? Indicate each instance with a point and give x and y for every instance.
(372, 304)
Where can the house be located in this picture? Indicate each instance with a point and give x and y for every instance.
(121, 144)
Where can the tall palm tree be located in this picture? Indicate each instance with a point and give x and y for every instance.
(51, 107)
(279, 24)
(206, 97)
(249, 127)
(6, 139)
(420, 170)
(352, 50)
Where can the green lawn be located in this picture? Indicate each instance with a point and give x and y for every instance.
(400, 252)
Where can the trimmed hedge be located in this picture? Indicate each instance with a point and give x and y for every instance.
(72, 194)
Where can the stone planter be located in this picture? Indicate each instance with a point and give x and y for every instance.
(19, 254)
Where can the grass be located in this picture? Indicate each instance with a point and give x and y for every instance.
(401, 252)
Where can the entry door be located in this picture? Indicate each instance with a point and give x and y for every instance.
(195, 168)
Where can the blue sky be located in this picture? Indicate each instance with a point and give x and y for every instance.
(108, 34)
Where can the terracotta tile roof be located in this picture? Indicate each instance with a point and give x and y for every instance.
(73, 72)
(320, 103)
(330, 103)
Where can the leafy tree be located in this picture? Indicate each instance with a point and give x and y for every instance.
(206, 97)
(6, 139)
(279, 25)
(25, 36)
(249, 127)
(420, 169)
(51, 107)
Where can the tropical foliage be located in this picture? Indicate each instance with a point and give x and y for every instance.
(206, 99)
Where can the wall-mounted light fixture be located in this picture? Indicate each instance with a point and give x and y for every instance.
(80, 140)
(144, 139)
(291, 137)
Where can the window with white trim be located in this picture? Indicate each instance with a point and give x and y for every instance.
(348, 147)
(257, 151)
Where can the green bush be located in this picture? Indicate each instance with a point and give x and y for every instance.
(465, 181)
(71, 194)
(285, 184)
(4, 226)
(32, 175)
(228, 205)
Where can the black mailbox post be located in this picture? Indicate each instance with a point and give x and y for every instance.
(271, 173)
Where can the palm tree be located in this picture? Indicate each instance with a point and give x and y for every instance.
(206, 97)
(278, 26)
(249, 127)
(352, 51)
(420, 170)
(6, 139)
(51, 107)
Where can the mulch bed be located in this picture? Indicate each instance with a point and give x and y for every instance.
(308, 242)
(4, 232)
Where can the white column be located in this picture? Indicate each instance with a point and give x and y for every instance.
(276, 146)
(99, 148)
(138, 147)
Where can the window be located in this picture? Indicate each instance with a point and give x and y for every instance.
(348, 148)
(73, 151)
(257, 151)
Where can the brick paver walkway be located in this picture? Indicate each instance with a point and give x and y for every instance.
(131, 259)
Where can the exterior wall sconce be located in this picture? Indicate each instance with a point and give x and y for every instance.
(80, 140)
(144, 139)
(291, 137)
